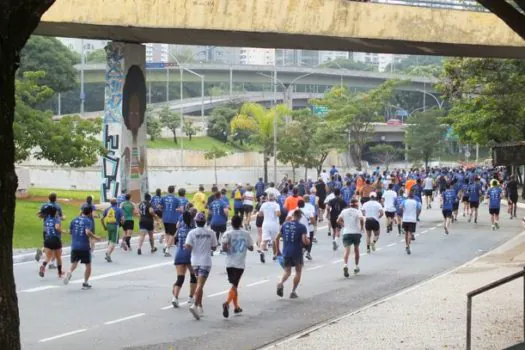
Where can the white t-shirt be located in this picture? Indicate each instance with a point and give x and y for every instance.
(428, 184)
(371, 210)
(269, 210)
(274, 191)
(248, 198)
(351, 218)
(308, 213)
(201, 241)
(410, 208)
(325, 176)
(238, 241)
(389, 200)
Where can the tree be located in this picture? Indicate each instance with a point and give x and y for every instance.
(219, 122)
(215, 153)
(350, 65)
(170, 120)
(260, 121)
(51, 56)
(181, 54)
(511, 13)
(153, 125)
(189, 128)
(417, 65)
(487, 98)
(424, 135)
(18, 19)
(385, 153)
(293, 146)
(96, 56)
(355, 113)
(326, 138)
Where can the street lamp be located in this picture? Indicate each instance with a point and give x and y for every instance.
(425, 92)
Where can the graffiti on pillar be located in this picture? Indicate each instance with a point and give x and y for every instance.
(114, 79)
(133, 113)
(110, 165)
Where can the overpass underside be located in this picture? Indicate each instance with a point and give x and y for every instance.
(303, 24)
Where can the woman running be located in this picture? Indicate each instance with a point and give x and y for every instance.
(259, 222)
(53, 240)
(248, 207)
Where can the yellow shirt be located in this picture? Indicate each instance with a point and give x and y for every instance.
(199, 201)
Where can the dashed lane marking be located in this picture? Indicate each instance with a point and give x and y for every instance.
(118, 320)
(63, 335)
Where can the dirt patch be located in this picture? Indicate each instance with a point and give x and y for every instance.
(515, 254)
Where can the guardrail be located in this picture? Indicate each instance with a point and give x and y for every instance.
(488, 287)
(466, 5)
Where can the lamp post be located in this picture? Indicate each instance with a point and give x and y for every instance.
(82, 63)
(425, 93)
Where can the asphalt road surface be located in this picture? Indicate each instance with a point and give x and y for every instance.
(129, 306)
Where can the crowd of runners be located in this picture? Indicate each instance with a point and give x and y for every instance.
(285, 214)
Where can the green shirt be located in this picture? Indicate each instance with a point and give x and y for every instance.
(128, 208)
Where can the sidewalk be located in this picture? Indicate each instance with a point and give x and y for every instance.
(432, 315)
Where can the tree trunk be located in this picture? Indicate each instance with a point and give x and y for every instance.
(265, 155)
(18, 19)
(175, 137)
(356, 156)
(293, 172)
(215, 171)
(305, 173)
(190, 137)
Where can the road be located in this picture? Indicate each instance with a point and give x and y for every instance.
(129, 306)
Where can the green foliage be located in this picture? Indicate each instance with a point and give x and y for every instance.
(153, 124)
(215, 153)
(96, 56)
(170, 120)
(350, 65)
(385, 153)
(425, 135)
(51, 56)
(69, 141)
(219, 122)
(293, 145)
(487, 97)
(418, 65)
(189, 128)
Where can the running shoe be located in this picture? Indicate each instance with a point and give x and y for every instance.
(308, 256)
(334, 245)
(167, 255)
(373, 246)
(262, 258)
(446, 231)
(41, 271)
(314, 240)
(280, 290)
(497, 225)
(469, 220)
(139, 251)
(293, 295)
(153, 250)
(476, 221)
(68, 278)
(108, 258)
(195, 312)
(345, 272)
(175, 302)
(408, 250)
(38, 255)
(493, 227)
(237, 310)
(86, 286)
(225, 310)
(191, 301)
(329, 234)
(200, 311)
(356, 270)
(368, 249)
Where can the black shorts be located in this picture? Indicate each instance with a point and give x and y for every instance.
(53, 243)
(474, 204)
(218, 228)
(351, 239)
(447, 213)
(158, 212)
(333, 223)
(293, 261)
(372, 225)
(409, 227)
(282, 218)
(147, 225)
(259, 221)
(390, 214)
(248, 209)
(513, 198)
(379, 196)
(170, 229)
(494, 211)
(455, 206)
(128, 225)
(238, 211)
(234, 275)
(428, 193)
(364, 200)
(84, 256)
(464, 199)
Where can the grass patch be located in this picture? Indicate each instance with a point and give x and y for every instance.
(79, 195)
(200, 143)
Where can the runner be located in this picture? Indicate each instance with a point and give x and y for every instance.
(464, 197)
(248, 202)
(314, 200)
(80, 230)
(146, 223)
(52, 201)
(294, 237)
(219, 216)
(183, 259)
(155, 203)
(259, 222)
(235, 243)
(121, 198)
(238, 205)
(171, 211)
(259, 188)
(373, 212)
(309, 211)
(448, 199)
(494, 197)
(389, 202)
(52, 241)
(183, 202)
(129, 210)
(399, 212)
(475, 194)
(367, 189)
(352, 221)
(291, 202)
(321, 190)
(428, 189)
(335, 207)
(270, 212)
(411, 209)
(111, 220)
(199, 199)
(281, 199)
(200, 241)
(210, 199)
(512, 195)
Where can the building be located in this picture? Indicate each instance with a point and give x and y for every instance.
(327, 56)
(207, 54)
(75, 44)
(257, 56)
(157, 53)
(291, 57)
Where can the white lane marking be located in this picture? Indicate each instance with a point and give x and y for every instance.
(391, 245)
(257, 283)
(424, 231)
(337, 261)
(439, 225)
(124, 319)
(432, 228)
(416, 235)
(123, 272)
(217, 294)
(171, 306)
(401, 240)
(38, 289)
(62, 335)
(314, 267)
(378, 249)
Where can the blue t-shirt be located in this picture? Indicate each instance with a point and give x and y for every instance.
(121, 198)
(292, 233)
(93, 209)
(474, 192)
(79, 237)
(347, 194)
(118, 214)
(182, 256)
(218, 218)
(155, 202)
(49, 227)
(280, 200)
(170, 204)
(52, 204)
(494, 194)
(259, 189)
(183, 202)
(333, 171)
(417, 191)
(238, 203)
(398, 202)
(464, 189)
(449, 197)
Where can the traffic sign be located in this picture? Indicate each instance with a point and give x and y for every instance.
(467, 154)
(319, 110)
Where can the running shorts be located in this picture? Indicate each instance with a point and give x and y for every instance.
(128, 225)
(333, 223)
(494, 211)
(201, 271)
(464, 199)
(474, 204)
(390, 214)
(248, 209)
(269, 232)
(351, 239)
(112, 233)
(259, 221)
(218, 228)
(428, 193)
(372, 225)
(53, 243)
(169, 228)
(322, 204)
(513, 198)
(293, 261)
(455, 206)
(234, 275)
(84, 256)
(409, 227)
(447, 213)
(283, 217)
(238, 211)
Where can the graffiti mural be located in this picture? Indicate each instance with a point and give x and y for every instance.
(114, 78)
(110, 165)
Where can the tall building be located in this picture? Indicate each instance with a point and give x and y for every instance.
(327, 56)
(207, 54)
(157, 53)
(291, 57)
(257, 56)
(75, 44)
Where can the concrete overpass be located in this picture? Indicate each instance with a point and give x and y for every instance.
(220, 73)
(303, 24)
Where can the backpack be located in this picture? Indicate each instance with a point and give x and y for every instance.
(111, 216)
(238, 195)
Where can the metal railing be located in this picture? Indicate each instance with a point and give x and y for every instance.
(466, 5)
(488, 287)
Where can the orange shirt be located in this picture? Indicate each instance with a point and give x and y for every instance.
(409, 184)
(291, 203)
(359, 183)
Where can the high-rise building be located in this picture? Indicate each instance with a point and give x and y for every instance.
(292, 57)
(157, 53)
(207, 54)
(257, 56)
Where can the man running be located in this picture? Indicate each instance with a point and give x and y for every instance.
(156, 204)
(494, 197)
(321, 189)
(200, 241)
(199, 199)
(428, 189)
(80, 230)
(411, 209)
(52, 241)
(259, 188)
(219, 216)
(270, 212)
(111, 220)
(475, 194)
(373, 212)
(248, 201)
(389, 202)
(465, 197)
(171, 211)
(335, 207)
(294, 237)
(309, 211)
(52, 201)
(352, 221)
(183, 260)
(238, 205)
(235, 243)
(146, 223)
(512, 195)
(129, 210)
(448, 199)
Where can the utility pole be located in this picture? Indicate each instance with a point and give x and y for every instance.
(82, 63)
(181, 119)
(275, 125)
(167, 84)
(231, 81)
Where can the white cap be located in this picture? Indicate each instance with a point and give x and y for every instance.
(373, 195)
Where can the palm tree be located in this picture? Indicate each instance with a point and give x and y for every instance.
(259, 122)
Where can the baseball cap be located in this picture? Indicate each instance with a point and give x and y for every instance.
(200, 217)
(373, 195)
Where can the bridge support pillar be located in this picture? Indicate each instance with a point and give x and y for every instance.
(124, 166)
